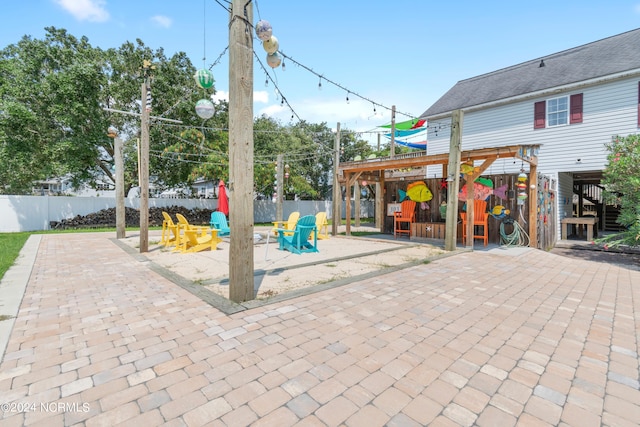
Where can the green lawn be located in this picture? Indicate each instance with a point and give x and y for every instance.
(10, 246)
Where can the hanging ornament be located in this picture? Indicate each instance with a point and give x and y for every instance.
(271, 45)
(263, 30)
(274, 60)
(205, 109)
(522, 187)
(204, 78)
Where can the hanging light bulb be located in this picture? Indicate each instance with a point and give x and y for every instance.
(347, 97)
(320, 84)
(266, 82)
(283, 66)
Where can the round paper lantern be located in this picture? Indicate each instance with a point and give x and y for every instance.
(274, 60)
(522, 177)
(204, 78)
(205, 109)
(271, 45)
(263, 30)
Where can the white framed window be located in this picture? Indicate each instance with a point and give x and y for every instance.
(558, 111)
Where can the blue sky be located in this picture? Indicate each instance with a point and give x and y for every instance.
(406, 53)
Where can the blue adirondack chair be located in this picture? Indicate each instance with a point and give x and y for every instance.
(219, 222)
(299, 242)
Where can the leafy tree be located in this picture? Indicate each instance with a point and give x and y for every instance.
(49, 110)
(59, 95)
(53, 95)
(622, 183)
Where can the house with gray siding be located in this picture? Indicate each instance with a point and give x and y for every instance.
(571, 103)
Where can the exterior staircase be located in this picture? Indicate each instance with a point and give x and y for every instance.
(607, 213)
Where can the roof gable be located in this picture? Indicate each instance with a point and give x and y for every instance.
(605, 57)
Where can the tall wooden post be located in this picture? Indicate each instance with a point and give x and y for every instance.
(120, 210)
(337, 194)
(381, 212)
(453, 180)
(144, 163)
(280, 190)
(356, 202)
(241, 282)
(393, 131)
(533, 204)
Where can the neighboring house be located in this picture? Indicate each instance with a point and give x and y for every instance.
(571, 103)
(64, 187)
(205, 188)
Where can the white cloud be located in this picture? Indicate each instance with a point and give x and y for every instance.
(162, 21)
(261, 96)
(220, 95)
(86, 10)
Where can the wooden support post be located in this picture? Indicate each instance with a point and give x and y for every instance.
(393, 132)
(241, 281)
(347, 178)
(337, 194)
(280, 190)
(356, 192)
(533, 205)
(119, 177)
(453, 180)
(144, 165)
(471, 195)
(380, 211)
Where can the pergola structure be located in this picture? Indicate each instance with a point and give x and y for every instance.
(374, 170)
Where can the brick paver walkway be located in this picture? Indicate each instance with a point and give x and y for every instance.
(479, 338)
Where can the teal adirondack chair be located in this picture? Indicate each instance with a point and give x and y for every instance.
(299, 242)
(219, 222)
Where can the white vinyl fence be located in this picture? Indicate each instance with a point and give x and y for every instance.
(34, 213)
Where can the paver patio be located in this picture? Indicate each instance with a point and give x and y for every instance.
(497, 338)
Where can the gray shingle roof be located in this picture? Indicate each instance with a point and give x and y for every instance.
(605, 57)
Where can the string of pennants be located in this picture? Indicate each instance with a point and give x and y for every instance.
(406, 129)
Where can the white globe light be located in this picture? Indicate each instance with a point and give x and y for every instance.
(271, 45)
(205, 109)
(263, 30)
(274, 60)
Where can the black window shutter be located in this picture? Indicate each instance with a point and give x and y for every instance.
(539, 114)
(575, 108)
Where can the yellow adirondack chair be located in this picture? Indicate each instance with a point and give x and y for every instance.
(184, 225)
(193, 241)
(187, 231)
(321, 226)
(287, 225)
(170, 231)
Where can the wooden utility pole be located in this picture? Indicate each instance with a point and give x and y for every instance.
(337, 194)
(280, 187)
(453, 180)
(144, 161)
(241, 282)
(393, 131)
(119, 165)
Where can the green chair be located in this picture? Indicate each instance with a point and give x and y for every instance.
(219, 222)
(298, 242)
